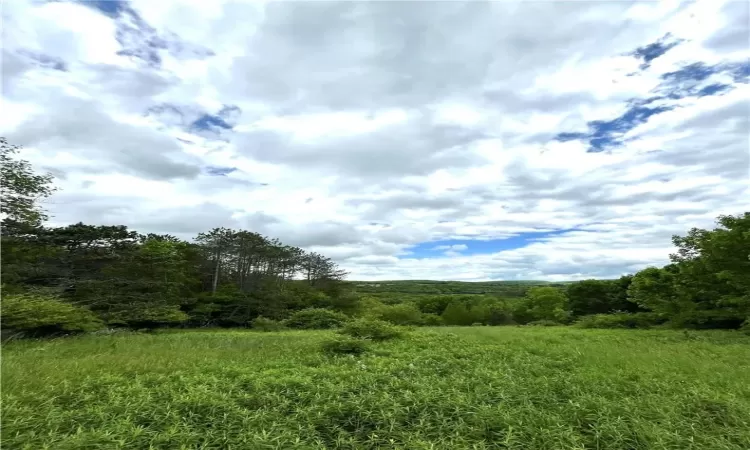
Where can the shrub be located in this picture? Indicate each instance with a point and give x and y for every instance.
(374, 329)
(456, 313)
(620, 320)
(432, 320)
(344, 346)
(261, 323)
(544, 323)
(477, 324)
(316, 319)
(707, 319)
(38, 315)
(399, 314)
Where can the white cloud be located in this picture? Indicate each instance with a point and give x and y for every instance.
(364, 129)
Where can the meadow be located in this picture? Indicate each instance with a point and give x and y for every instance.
(435, 388)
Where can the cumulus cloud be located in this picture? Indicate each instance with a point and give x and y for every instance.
(382, 133)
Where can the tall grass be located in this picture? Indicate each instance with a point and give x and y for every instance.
(445, 388)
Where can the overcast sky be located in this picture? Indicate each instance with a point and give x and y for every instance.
(551, 140)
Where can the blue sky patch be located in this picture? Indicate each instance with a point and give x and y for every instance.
(220, 171)
(111, 8)
(436, 249)
(208, 122)
(606, 134)
(688, 81)
(654, 50)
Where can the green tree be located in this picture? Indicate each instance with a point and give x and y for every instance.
(600, 296)
(20, 190)
(542, 303)
(456, 313)
(146, 286)
(491, 311)
(654, 289)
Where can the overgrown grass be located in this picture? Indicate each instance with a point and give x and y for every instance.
(442, 388)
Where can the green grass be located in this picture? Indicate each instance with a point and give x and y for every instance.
(444, 388)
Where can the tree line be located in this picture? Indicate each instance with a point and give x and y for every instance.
(58, 277)
(706, 285)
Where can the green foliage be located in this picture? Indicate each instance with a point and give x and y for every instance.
(654, 290)
(344, 346)
(542, 303)
(316, 319)
(492, 311)
(508, 289)
(20, 190)
(261, 323)
(457, 388)
(400, 314)
(36, 315)
(600, 296)
(620, 320)
(432, 320)
(456, 313)
(373, 329)
(708, 283)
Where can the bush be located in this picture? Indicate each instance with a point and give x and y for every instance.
(316, 319)
(620, 320)
(544, 323)
(707, 319)
(374, 329)
(344, 346)
(38, 315)
(399, 314)
(432, 320)
(261, 323)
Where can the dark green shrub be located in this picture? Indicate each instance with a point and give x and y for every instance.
(37, 315)
(261, 323)
(432, 320)
(456, 313)
(707, 319)
(374, 329)
(620, 320)
(344, 346)
(316, 319)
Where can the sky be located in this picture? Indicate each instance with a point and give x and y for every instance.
(535, 140)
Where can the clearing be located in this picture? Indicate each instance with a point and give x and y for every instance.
(439, 388)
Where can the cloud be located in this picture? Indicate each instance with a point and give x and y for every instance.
(423, 140)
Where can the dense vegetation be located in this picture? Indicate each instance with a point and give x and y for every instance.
(444, 388)
(82, 277)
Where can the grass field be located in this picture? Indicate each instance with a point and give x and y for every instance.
(442, 388)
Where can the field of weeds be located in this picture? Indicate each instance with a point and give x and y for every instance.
(441, 388)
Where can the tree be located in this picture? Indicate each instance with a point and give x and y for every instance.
(21, 189)
(542, 303)
(146, 287)
(654, 289)
(456, 313)
(491, 311)
(590, 297)
(600, 296)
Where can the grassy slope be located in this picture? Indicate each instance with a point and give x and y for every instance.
(447, 388)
